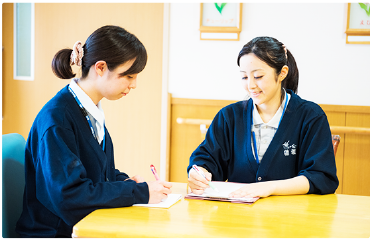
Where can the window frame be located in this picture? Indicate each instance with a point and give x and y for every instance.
(32, 43)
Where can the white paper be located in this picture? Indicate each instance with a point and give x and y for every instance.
(168, 202)
(225, 188)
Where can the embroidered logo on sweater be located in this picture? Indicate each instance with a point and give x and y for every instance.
(289, 149)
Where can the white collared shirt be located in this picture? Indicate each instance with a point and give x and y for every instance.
(264, 132)
(96, 113)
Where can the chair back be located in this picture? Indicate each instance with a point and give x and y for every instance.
(13, 147)
(335, 139)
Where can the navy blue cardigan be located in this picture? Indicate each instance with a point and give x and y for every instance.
(302, 145)
(68, 175)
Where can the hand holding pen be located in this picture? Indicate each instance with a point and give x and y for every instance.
(199, 180)
(158, 189)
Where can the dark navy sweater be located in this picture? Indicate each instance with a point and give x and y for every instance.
(302, 145)
(68, 175)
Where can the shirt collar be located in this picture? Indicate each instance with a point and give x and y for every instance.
(95, 111)
(257, 120)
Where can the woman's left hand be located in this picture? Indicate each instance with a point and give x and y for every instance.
(259, 189)
(291, 186)
(136, 178)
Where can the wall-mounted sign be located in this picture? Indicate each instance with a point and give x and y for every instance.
(358, 23)
(220, 21)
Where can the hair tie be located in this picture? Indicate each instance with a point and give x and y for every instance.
(77, 54)
(286, 51)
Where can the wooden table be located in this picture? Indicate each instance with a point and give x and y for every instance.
(298, 216)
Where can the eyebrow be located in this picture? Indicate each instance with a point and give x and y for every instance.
(252, 70)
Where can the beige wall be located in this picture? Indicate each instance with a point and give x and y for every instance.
(134, 121)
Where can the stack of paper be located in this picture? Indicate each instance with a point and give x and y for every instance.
(225, 188)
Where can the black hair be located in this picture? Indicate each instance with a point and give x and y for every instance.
(111, 44)
(272, 52)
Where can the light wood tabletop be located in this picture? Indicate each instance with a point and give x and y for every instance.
(297, 216)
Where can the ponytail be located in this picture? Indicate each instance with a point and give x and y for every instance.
(292, 78)
(61, 64)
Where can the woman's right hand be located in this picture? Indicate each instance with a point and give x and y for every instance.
(196, 182)
(158, 190)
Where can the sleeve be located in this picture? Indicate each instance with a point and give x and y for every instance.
(120, 176)
(318, 163)
(62, 184)
(214, 152)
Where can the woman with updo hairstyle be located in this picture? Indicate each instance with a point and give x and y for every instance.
(69, 157)
(277, 142)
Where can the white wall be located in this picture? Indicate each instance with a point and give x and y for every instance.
(331, 71)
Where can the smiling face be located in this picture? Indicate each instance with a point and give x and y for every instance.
(113, 86)
(260, 81)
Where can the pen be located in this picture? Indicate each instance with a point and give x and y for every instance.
(200, 172)
(154, 172)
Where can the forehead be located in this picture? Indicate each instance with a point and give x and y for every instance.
(250, 62)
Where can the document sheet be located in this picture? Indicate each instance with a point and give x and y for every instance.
(166, 203)
(224, 189)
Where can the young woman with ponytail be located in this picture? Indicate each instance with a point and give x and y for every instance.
(277, 142)
(69, 157)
